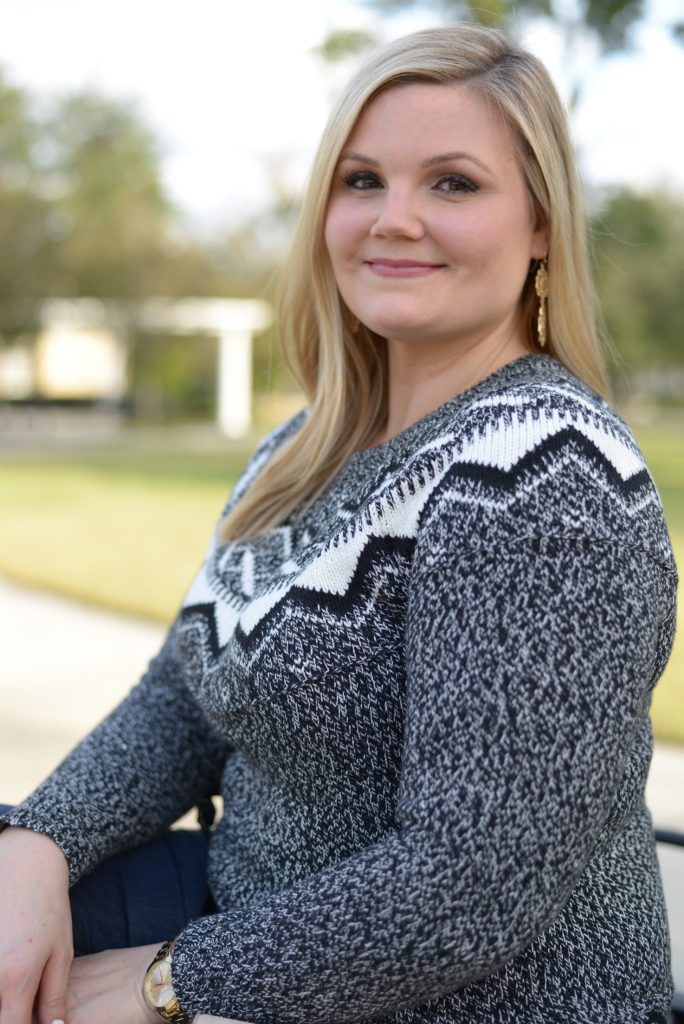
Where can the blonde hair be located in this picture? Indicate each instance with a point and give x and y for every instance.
(343, 374)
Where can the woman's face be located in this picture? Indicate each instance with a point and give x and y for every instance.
(430, 227)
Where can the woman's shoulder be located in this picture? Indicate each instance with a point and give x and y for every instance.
(534, 408)
(538, 397)
(536, 452)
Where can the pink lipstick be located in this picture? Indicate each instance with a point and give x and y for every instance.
(402, 268)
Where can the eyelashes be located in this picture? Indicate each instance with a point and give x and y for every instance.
(449, 184)
(458, 181)
(361, 181)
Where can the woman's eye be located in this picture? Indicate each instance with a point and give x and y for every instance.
(455, 184)
(361, 181)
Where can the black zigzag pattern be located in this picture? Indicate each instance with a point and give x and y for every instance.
(533, 466)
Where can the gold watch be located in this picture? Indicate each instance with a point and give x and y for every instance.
(158, 987)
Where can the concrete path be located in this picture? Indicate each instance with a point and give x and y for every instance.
(64, 665)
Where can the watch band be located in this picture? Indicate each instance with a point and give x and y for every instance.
(171, 1010)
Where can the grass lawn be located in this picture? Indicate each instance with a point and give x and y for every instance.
(664, 451)
(121, 530)
(127, 528)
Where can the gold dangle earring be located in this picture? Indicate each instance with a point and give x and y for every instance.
(541, 287)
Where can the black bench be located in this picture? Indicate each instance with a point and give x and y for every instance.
(673, 839)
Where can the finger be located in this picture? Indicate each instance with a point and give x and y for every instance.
(16, 1008)
(52, 997)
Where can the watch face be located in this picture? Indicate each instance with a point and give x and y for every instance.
(158, 984)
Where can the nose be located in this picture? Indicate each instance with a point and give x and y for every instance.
(398, 216)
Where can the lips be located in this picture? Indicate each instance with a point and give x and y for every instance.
(402, 268)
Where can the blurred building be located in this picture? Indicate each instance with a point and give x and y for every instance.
(78, 361)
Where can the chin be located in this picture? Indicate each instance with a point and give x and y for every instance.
(400, 328)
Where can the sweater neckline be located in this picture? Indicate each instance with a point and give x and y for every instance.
(527, 366)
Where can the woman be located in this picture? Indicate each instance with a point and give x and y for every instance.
(420, 654)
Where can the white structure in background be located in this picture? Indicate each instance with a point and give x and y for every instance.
(77, 362)
(16, 372)
(81, 351)
(234, 321)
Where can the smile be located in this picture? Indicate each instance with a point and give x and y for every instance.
(402, 268)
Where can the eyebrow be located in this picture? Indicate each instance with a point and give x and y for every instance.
(441, 158)
(455, 155)
(360, 158)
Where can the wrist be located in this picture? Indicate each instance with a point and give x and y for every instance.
(16, 839)
(157, 989)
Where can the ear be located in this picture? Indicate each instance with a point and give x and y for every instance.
(541, 235)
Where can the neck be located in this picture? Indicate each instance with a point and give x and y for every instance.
(421, 377)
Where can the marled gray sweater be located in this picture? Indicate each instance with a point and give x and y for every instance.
(428, 699)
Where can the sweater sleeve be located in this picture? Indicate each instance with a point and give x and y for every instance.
(524, 661)
(148, 762)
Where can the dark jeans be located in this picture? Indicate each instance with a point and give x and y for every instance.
(142, 896)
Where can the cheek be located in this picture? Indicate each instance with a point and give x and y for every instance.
(346, 224)
(340, 245)
(499, 241)
(466, 239)
(336, 231)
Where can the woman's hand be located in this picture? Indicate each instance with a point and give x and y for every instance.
(35, 928)
(109, 987)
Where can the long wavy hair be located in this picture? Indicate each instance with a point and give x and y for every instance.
(342, 374)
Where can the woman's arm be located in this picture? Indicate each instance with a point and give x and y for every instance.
(149, 761)
(107, 987)
(529, 667)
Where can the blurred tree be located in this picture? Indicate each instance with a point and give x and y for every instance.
(174, 378)
(109, 213)
(250, 257)
(344, 42)
(24, 213)
(607, 24)
(609, 20)
(83, 212)
(82, 207)
(638, 243)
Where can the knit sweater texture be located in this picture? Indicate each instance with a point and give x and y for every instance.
(425, 701)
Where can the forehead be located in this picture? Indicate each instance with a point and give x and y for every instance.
(433, 116)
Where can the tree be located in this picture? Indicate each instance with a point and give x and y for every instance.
(83, 210)
(110, 212)
(607, 24)
(24, 212)
(610, 21)
(638, 245)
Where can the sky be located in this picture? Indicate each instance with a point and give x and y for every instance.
(238, 97)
